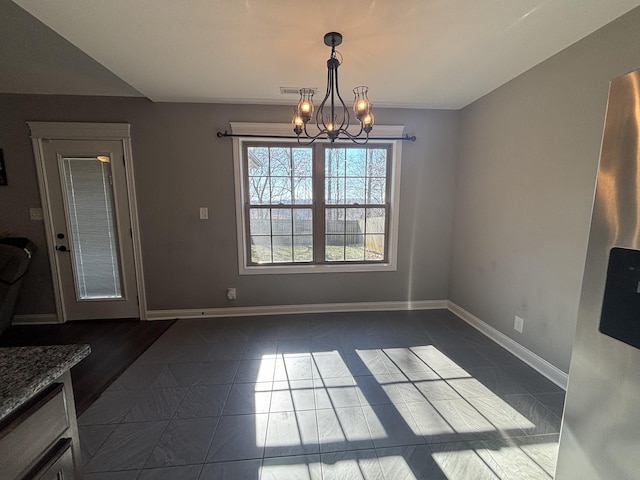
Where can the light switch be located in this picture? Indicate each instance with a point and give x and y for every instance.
(204, 213)
(36, 214)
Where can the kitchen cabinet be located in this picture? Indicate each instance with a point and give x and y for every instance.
(38, 428)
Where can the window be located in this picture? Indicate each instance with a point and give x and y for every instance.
(356, 186)
(322, 207)
(279, 198)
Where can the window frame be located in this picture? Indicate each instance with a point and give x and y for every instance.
(257, 133)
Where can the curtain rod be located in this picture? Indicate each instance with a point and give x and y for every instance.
(225, 134)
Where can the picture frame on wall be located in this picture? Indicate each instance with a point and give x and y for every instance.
(3, 170)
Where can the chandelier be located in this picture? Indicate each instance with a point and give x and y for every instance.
(332, 117)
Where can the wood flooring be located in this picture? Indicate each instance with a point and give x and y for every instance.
(115, 344)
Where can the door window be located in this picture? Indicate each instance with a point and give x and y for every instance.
(88, 198)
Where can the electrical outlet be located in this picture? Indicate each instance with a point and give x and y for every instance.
(518, 324)
(231, 293)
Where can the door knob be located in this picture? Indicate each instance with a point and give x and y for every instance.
(61, 248)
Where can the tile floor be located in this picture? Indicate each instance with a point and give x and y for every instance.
(376, 395)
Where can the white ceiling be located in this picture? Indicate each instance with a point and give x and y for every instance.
(411, 53)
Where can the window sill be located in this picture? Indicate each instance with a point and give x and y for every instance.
(305, 269)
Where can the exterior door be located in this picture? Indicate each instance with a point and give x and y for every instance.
(86, 187)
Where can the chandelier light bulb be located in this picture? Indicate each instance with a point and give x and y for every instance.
(305, 107)
(367, 122)
(361, 104)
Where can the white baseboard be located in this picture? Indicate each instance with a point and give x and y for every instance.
(550, 371)
(35, 319)
(295, 309)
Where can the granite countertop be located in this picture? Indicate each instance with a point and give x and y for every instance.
(26, 370)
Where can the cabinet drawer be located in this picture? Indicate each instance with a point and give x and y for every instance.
(56, 466)
(30, 431)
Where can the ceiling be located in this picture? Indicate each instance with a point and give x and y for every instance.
(411, 53)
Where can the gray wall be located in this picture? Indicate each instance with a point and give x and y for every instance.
(527, 168)
(180, 165)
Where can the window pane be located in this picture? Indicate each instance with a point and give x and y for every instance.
(376, 220)
(259, 190)
(355, 215)
(334, 164)
(280, 190)
(303, 248)
(374, 247)
(354, 227)
(281, 221)
(376, 190)
(355, 248)
(354, 240)
(89, 205)
(260, 221)
(258, 161)
(282, 249)
(355, 175)
(377, 162)
(272, 237)
(303, 191)
(302, 162)
(356, 162)
(377, 175)
(334, 190)
(280, 162)
(303, 221)
(335, 220)
(260, 249)
(280, 175)
(355, 190)
(334, 248)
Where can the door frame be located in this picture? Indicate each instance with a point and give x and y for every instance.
(42, 132)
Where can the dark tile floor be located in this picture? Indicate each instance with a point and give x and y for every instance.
(375, 395)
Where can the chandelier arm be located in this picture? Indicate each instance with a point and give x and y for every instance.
(334, 85)
(360, 141)
(312, 137)
(345, 110)
(352, 136)
(356, 138)
(320, 110)
(306, 144)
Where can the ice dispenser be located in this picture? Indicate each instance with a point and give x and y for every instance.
(620, 317)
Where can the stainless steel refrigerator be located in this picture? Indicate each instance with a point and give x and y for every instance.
(600, 437)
